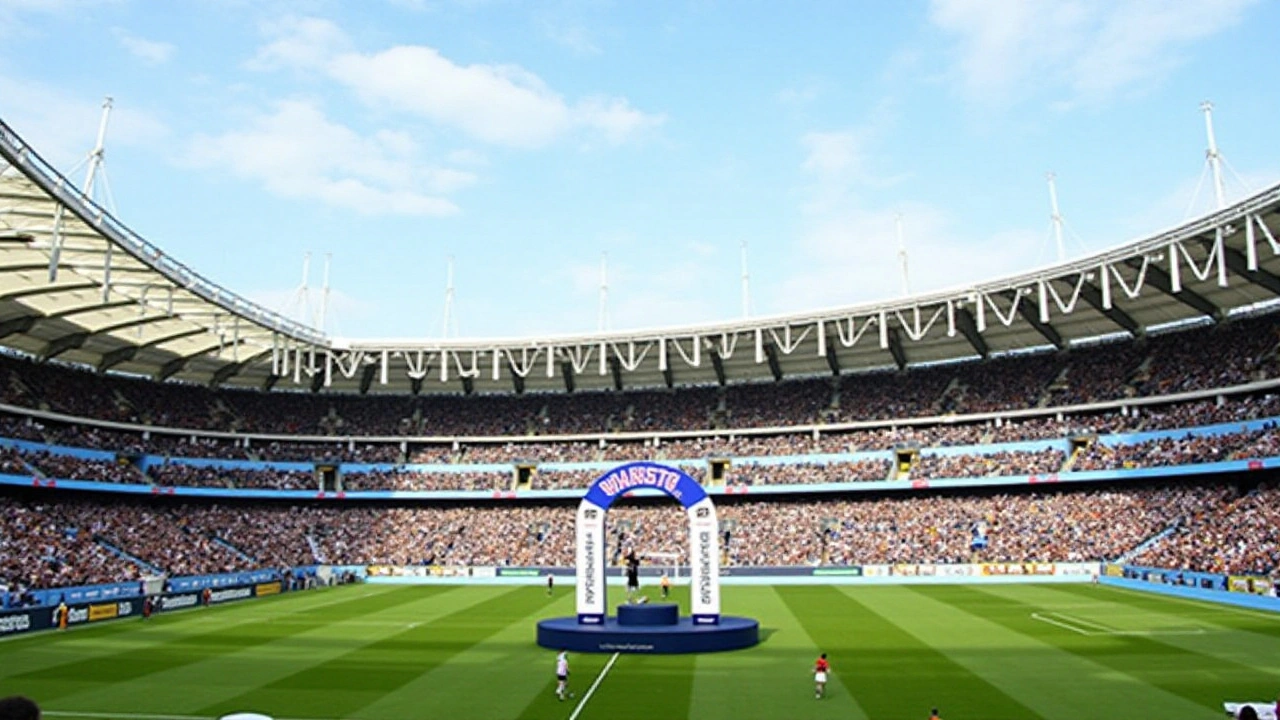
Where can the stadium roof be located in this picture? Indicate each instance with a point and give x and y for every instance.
(77, 285)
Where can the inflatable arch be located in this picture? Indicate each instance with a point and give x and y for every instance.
(704, 537)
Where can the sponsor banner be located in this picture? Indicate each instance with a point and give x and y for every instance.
(484, 572)
(177, 602)
(876, 570)
(1062, 569)
(852, 570)
(228, 594)
(399, 571)
(103, 612)
(704, 540)
(264, 589)
(524, 571)
(200, 582)
(648, 476)
(1017, 569)
(590, 589)
(99, 593)
(954, 570)
(1113, 570)
(24, 620)
(1249, 584)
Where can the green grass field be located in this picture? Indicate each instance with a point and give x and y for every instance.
(409, 653)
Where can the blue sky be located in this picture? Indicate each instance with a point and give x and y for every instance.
(525, 140)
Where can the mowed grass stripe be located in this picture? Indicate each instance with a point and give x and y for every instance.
(1261, 622)
(208, 680)
(135, 648)
(639, 687)
(1056, 684)
(892, 673)
(774, 679)
(1163, 623)
(1202, 680)
(497, 678)
(48, 648)
(341, 685)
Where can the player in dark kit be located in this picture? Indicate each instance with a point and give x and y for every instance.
(633, 576)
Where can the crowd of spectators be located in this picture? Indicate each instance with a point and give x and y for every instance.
(1241, 538)
(808, 473)
(46, 544)
(933, 465)
(1181, 450)
(51, 544)
(176, 474)
(68, 467)
(401, 478)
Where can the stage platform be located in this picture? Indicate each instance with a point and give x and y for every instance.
(655, 629)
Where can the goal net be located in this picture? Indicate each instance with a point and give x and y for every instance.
(667, 563)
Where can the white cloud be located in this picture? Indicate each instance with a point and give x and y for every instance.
(500, 104)
(614, 117)
(837, 162)
(833, 154)
(299, 43)
(847, 253)
(852, 257)
(673, 295)
(149, 51)
(802, 93)
(63, 128)
(574, 37)
(297, 152)
(1092, 48)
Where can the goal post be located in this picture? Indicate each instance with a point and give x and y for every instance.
(665, 562)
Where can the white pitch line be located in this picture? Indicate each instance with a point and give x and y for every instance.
(1205, 604)
(1043, 618)
(583, 702)
(1093, 629)
(144, 716)
(1087, 624)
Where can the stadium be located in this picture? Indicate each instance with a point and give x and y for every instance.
(1047, 495)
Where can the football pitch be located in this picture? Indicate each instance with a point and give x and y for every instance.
(378, 652)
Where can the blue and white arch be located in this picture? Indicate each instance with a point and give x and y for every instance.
(704, 537)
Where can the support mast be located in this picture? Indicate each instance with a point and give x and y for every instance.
(602, 318)
(1055, 216)
(98, 153)
(448, 300)
(902, 255)
(1212, 156)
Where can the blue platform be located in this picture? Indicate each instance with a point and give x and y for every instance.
(649, 614)
(566, 633)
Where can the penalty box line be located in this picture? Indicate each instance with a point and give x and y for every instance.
(599, 678)
(1090, 628)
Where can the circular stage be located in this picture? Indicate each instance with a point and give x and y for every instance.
(652, 628)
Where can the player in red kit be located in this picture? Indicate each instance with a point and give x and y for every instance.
(820, 670)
